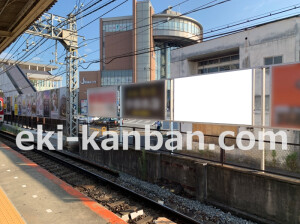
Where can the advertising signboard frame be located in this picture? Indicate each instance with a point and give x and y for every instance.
(102, 102)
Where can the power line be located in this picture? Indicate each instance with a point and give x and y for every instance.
(202, 7)
(61, 24)
(78, 30)
(149, 50)
(220, 34)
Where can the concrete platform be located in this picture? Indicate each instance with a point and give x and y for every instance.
(33, 195)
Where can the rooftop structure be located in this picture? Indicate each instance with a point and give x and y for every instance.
(27, 77)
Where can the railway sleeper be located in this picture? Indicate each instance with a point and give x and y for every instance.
(145, 220)
(163, 220)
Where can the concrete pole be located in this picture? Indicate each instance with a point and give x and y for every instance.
(253, 96)
(263, 117)
(172, 130)
(120, 115)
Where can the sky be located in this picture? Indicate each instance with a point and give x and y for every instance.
(223, 14)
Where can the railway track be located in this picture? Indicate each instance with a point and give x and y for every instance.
(101, 185)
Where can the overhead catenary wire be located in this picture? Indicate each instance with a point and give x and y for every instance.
(123, 3)
(227, 33)
(80, 28)
(203, 38)
(217, 35)
(130, 54)
(60, 24)
(202, 7)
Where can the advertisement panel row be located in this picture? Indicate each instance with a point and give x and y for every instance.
(49, 103)
(142, 101)
(220, 98)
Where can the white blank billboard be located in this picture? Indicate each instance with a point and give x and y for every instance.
(222, 98)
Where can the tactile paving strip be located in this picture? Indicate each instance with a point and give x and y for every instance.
(8, 213)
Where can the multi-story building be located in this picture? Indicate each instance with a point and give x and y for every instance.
(263, 45)
(276, 42)
(137, 48)
(272, 43)
(87, 80)
(25, 77)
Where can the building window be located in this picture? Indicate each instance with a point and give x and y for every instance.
(219, 64)
(213, 69)
(273, 60)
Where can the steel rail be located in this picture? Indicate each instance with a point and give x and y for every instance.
(184, 218)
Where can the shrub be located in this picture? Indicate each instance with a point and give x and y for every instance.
(291, 161)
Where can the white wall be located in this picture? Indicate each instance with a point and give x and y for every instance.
(278, 38)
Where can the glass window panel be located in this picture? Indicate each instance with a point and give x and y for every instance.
(185, 26)
(225, 68)
(202, 71)
(225, 59)
(269, 61)
(161, 25)
(235, 57)
(214, 69)
(278, 60)
(166, 24)
(213, 61)
(235, 66)
(201, 63)
(177, 24)
(181, 25)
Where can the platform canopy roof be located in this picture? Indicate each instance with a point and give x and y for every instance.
(17, 15)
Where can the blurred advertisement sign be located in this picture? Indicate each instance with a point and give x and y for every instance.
(24, 105)
(62, 103)
(84, 107)
(286, 96)
(47, 103)
(221, 98)
(19, 102)
(28, 101)
(8, 105)
(144, 101)
(102, 102)
(54, 114)
(40, 104)
(33, 104)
